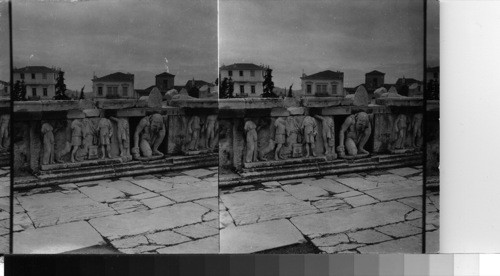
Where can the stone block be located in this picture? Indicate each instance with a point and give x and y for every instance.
(361, 97)
(155, 98)
(279, 112)
(296, 110)
(337, 110)
(131, 112)
(115, 103)
(92, 112)
(75, 114)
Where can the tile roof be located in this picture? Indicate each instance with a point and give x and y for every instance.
(242, 66)
(325, 75)
(165, 74)
(35, 69)
(375, 72)
(118, 76)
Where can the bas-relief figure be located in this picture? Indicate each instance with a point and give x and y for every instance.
(251, 141)
(89, 138)
(76, 137)
(122, 135)
(4, 131)
(105, 130)
(48, 144)
(210, 129)
(354, 134)
(416, 127)
(193, 128)
(292, 136)
(400, 129)
(327, 133)
(279, 136)
(148, 136)
(309, 128)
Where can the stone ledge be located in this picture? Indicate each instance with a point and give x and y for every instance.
(195, 103)
(403, 101)
(86, 163)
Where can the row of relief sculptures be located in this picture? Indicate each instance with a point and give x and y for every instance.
(89, 136)
(353, 136)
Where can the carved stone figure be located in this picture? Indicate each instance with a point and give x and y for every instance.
(279, 136)
(416, 127)
(310, 129)
(292, 135)
(148, 136)
(105, 130)
(48, 144)
(123, 135)
(354, 134)
(193, 128)
(76, 137)
(251, 141)
(89, 137)
(400, 128)
(4, 131)
(210, 127)
(328, 133)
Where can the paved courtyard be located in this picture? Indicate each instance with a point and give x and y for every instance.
(432, 222)
(4, 209)
(375, 212)
(161, 213)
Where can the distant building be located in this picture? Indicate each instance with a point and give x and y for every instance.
(325, 83)
(4, 89)
(432, 74)
(204, 88)
(40, 81)
(248, 78)
(374, 80)
(409, 87)
(113, 86)
(164, 81)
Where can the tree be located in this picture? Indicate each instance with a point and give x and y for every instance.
(16, 91)
(60, 87)
(290, 94)
(23, 91)
(230, 89)
(82, 96)
(268, 85)
(223, 89)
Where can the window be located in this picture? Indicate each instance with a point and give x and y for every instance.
(309, 89)
(45, 91)
(241, 73)
(115, 90)
(110, 90)
(321, 88)
(230, 73)
(32, 76)
(99, 90)
(334, 88)
(33, 91)
(252, 89)
(22, 76)
(242, 89)
(252, 73)
(44, 76)
(125, 90)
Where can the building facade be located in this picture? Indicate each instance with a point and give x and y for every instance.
(248, 78)
(114, 86)
(325, 83)
(4, 89)
(40, 81)
(374, 80)
(164, 81)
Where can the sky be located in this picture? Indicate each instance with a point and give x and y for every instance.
(4, 42)
(432, 33)
(142, 37)
(354, 37)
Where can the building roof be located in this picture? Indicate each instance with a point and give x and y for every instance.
(406, 81)
(375, 72)
(242, 66)
(35, 69)
(118, 76)
(197, 83)
(165, 74)
(325, 75)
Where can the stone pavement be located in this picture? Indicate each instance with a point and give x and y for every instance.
(432, 222)
(161, 213)
(4, 209)
(374, 212)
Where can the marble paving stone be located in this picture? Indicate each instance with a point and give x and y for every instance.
(208, 245)
(188, 193)
(358, 183)
(4, 244)
(130, 242)
(271, 184)
(404, 171)
(360, 200)
(182, 179)
(210, 203)
(394, 192)
(416, 223)
(385, 178)
(155, 202)
(4, 190)
(432, 218)
(225, 219)
(300, 180)
(327, 203)
(198, 172)
(69, 186)
(258, 237)
(141, 249)
(432, 242)
(154, 185)
(154, 220)
(329, 185)
(368, 237)
(57, 208)
(305, 192)
(339, 248)
(315, 225)
(331, 240)
(196, 231)
(411, 245)
(145, 176)
(415, 202)
(166, 238)
(253, 206)
(125, 187)
(5, 227)
(210, 216)
(4, 215)
(125, 204)
(144, 195)
(102, 193)
(22, 221)
(56, 239)
(413, 215)
(399, 230)
(348, 194)
(5, 203)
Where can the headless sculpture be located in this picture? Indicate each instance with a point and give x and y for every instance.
(4, 131)
(279, 136)
(122, 135)
(400, 128)
(105, 130)
(309, 128)
(148, 136)
(210, 128)
(328, 133)
(416, 127)
(48, 144)
(354, 134)
(251, 141)
(193, 128)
